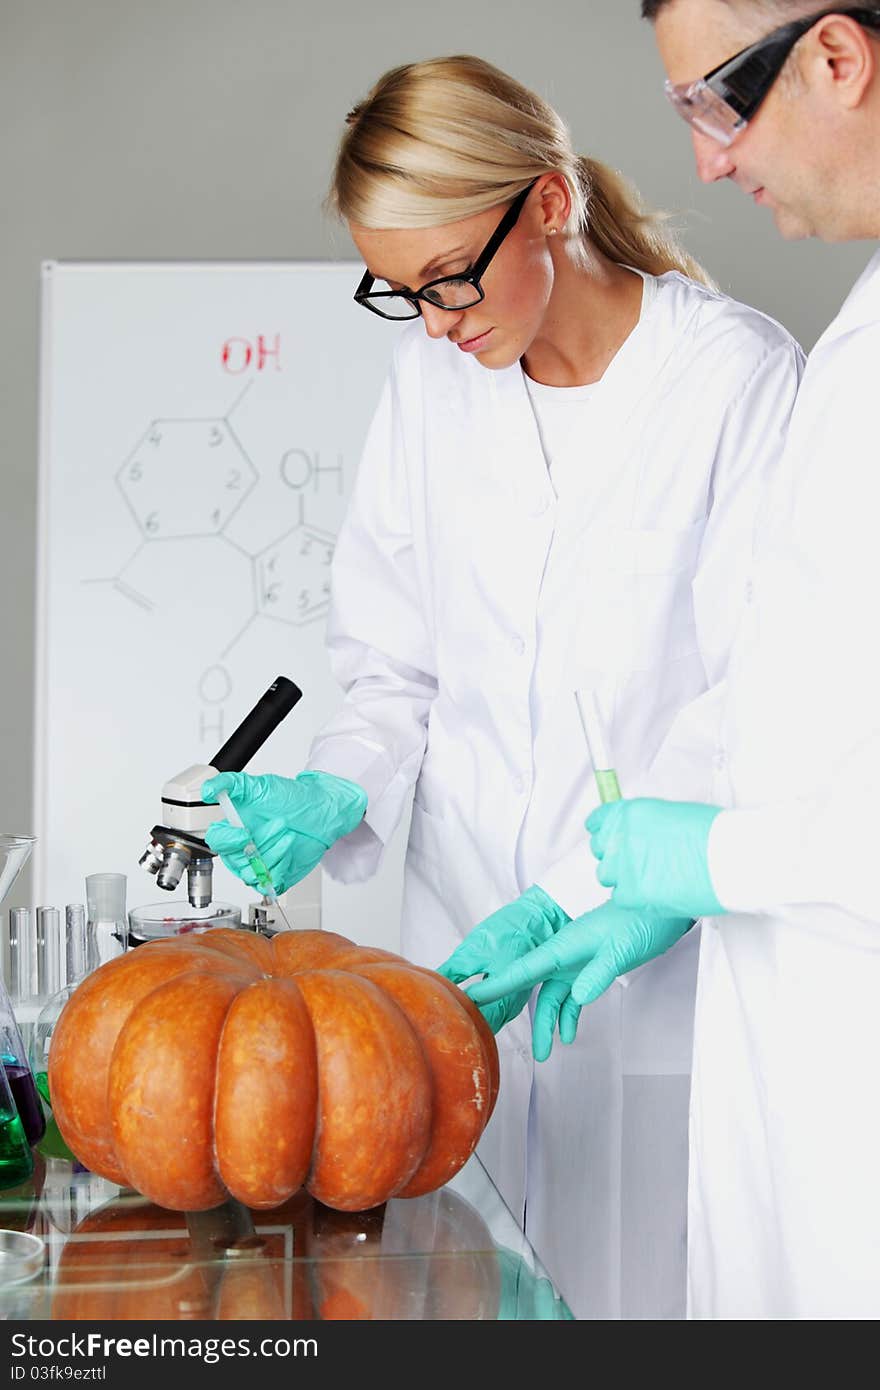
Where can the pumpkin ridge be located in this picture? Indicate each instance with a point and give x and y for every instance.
(139, 1134)
(348, 1179)
(459, 1066)
(276, 1095)
(73, 1074)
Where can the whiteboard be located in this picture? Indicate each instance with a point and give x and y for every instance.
(200, 430)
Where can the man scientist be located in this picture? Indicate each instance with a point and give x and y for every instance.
(783, 98)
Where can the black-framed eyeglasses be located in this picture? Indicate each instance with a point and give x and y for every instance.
(452, 292)
(722, 103)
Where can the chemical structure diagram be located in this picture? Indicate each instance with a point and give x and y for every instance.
(183, 484)
(185, 480)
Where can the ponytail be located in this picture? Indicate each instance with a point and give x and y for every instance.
(620, 227)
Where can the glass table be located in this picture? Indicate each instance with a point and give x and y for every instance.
(109, 1254)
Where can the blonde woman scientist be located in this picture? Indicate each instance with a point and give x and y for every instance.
(558, 491)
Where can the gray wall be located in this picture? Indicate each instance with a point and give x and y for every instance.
(183, 129)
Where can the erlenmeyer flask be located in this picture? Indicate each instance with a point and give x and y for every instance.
(19, 1076)
(16, 1159)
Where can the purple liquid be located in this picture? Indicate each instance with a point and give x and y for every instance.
(24, 1093)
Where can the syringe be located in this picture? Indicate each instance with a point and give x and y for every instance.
(597, 745)
(264, 878)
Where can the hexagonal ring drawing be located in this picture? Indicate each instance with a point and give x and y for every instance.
(186, 478)
(293, 575)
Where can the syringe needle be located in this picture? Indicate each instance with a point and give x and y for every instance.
(254, 858)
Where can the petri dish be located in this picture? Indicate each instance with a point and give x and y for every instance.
(22, 1256)
(175, 917)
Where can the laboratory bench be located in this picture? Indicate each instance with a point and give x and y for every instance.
(94, 1251)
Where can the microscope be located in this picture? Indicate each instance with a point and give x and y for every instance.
(177, 845)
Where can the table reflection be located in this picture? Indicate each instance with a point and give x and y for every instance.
(110, 1254)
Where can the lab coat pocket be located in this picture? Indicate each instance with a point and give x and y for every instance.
(638, 612)
(647, 550)
(425, 836)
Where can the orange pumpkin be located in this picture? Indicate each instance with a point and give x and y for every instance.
(226, 1064)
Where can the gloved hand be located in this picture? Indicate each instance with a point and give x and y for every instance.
(578, 963)
(503, 937)
(655, 854)
(292, 821)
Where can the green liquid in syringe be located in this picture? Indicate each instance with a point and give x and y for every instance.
(609, 787)
(263, 877)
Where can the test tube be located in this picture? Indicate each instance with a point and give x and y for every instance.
(21, 956)
(76, 959)
(48, 951)
(597, 745)
(599, 750)
(11, 957)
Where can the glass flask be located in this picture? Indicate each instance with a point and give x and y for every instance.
(16, 1159)
(105, 895)
(18, 1074)
(15, 851)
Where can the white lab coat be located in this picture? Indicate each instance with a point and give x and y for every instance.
(785, 1195)
(469, 601)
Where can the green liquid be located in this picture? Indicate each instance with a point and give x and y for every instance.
(51, 1144)
(263, 877)
(609, 787)
(16, 1161)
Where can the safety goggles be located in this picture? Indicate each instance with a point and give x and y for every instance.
(722, 103)
(451, 292)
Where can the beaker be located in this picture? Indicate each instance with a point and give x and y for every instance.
(105, 895)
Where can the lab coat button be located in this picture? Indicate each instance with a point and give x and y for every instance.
(750, 592)
(720, 760)
(517, 646)
(540, 505)
(519, 785)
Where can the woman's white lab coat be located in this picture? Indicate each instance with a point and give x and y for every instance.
(469, 601)
(785, 1197)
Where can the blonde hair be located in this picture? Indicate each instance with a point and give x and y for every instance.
(445, 139)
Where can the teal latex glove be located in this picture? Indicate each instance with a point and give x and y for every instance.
(655, 854)
(501, 938)
(292, 821)
(524, 1296)
(578, 963)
